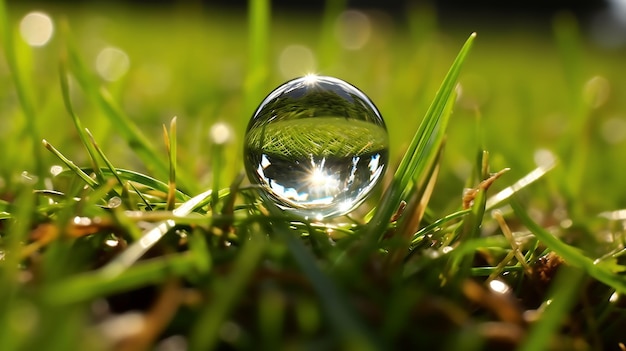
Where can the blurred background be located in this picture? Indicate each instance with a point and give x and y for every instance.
(546, 79)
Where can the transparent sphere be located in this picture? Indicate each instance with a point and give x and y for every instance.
(316, 146)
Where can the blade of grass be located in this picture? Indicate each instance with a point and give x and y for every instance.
(19, 228)
(259, 12)
(87, 286)
(422, 149)
(344, 322)
(434, 225)
(562, 295)
(504, 195)
(577, 145)
(108, 163)
(65, 92)
(415, 209)
(143, 199)
(151, 237)
(328, 48)
(138, 178)
(23, 87)
(170, 142)
(206, 329)
(123, 124)
(79, 172)
(570, 254)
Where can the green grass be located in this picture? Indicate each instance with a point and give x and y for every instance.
(145, 235)
(321, 136)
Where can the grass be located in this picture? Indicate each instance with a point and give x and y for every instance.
(300, 138)
(131, 227)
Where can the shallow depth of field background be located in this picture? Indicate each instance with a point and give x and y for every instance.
(519, 91)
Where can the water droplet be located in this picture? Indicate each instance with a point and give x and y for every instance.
(114, 202)
(316, 146)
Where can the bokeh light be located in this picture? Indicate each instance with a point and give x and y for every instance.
(613, 130)
(112, 63)
(296, 60)
(353, 29)
(221, 133)
(36, 28)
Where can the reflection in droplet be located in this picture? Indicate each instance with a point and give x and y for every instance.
(353, 29)
(36, 28)
(112, 63)
(296, 60)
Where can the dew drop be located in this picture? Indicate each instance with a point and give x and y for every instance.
(316, 146)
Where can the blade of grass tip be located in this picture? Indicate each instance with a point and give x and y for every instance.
(563, 292)
(419, 148)
(206, 329)
(151, 237)
(259, 12)
(570, 254)
(108, 163)
(343, 320)
(170, 143)
(22, 87)
(123, 124)
(65, 92)
(79, 172)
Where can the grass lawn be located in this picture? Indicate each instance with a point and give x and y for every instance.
(126, 221)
